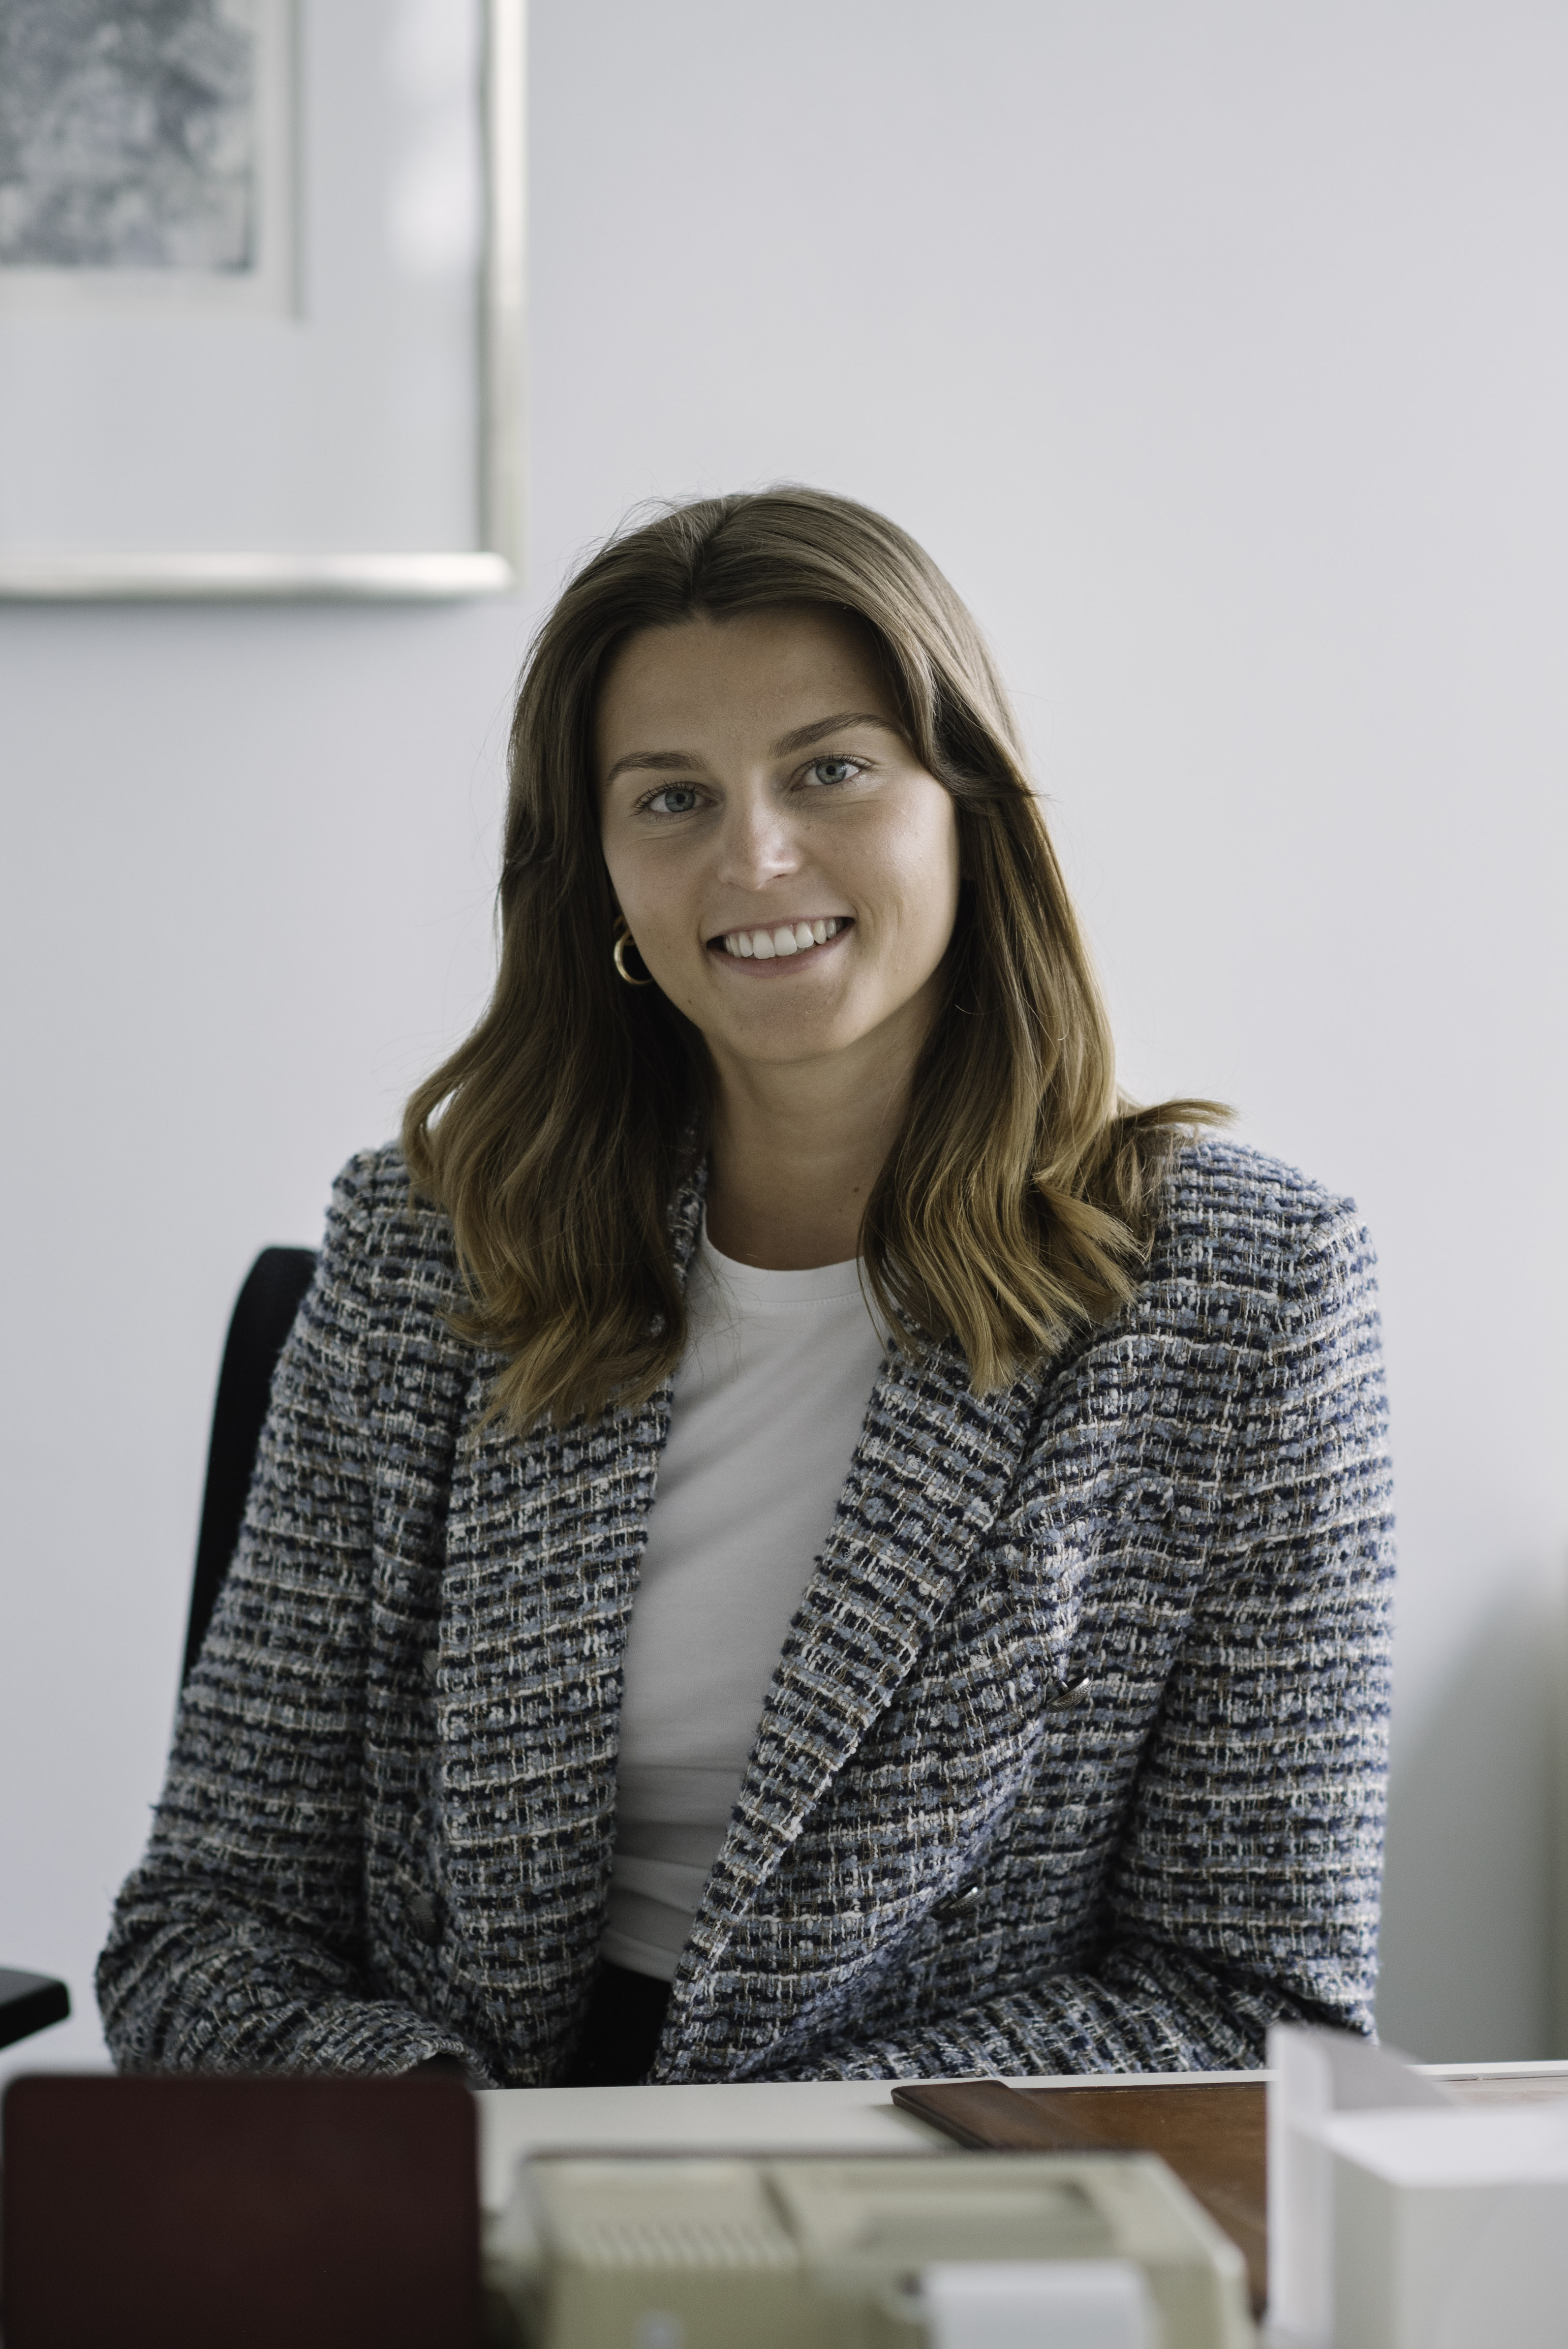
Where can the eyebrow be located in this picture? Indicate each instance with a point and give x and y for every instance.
(670, 762)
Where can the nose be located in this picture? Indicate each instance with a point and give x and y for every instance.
(757, 844)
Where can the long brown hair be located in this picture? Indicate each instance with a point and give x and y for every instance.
(1018, 1201)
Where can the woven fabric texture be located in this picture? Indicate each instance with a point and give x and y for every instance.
(1074, 1760)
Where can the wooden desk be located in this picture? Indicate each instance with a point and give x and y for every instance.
(1211, 2131)
(1208, 2124)
(1211, 2127)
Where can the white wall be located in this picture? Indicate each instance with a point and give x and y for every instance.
(1220, 351)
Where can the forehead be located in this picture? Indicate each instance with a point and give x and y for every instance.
(750, 677)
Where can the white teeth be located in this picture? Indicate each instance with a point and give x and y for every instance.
(769, 945)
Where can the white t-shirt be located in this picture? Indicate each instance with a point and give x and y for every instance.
(769, 1400)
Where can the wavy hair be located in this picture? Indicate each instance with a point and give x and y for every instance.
(1016, 1204)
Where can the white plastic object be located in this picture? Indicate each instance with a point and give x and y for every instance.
(1450, 2229)
(1038, 2304)
(1316, 2076)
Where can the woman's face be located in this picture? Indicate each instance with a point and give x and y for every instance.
(786, 866)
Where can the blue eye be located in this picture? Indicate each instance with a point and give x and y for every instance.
(682, 793)
(834, 771)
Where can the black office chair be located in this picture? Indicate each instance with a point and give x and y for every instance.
(264, 1316)
(30, 2003)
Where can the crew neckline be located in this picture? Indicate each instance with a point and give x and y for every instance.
(754, 1284)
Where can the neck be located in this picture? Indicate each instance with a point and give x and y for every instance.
(797, 1149)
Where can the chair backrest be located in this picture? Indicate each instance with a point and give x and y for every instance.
(264, 1316)
(30, 2003)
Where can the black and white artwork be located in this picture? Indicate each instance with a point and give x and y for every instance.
(144, 153)
(261, 297)
(127, 135)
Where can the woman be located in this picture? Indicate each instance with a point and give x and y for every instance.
(798, 1534)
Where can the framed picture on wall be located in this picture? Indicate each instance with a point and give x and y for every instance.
(261, 297)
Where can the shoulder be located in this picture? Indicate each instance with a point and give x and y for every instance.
(1247, 1243)
(1231, 1212)
(374, 1202)
(385, 1249)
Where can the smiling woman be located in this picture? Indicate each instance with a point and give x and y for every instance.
(756, 713)
(799, 1533)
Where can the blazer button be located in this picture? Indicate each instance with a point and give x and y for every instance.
(422, 1919)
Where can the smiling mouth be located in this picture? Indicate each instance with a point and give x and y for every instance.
(778, 943)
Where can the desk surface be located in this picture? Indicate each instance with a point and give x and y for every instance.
(816, 2116)
(749, 2117)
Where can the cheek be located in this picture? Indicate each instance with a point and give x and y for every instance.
(655, 897)
(636, 882)
(928, 875)
(615, 866)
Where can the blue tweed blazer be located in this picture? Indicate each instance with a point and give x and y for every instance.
(1074, 1758)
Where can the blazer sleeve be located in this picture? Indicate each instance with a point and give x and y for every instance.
(236, 1945)
(1246, 1888)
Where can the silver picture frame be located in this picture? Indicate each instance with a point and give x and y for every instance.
(491, 564)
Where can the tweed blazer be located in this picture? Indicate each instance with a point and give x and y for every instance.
(1074, 1758)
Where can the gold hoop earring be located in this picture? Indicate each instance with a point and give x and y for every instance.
(624, 939)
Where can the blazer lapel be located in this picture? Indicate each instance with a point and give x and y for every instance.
(929, 1477)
